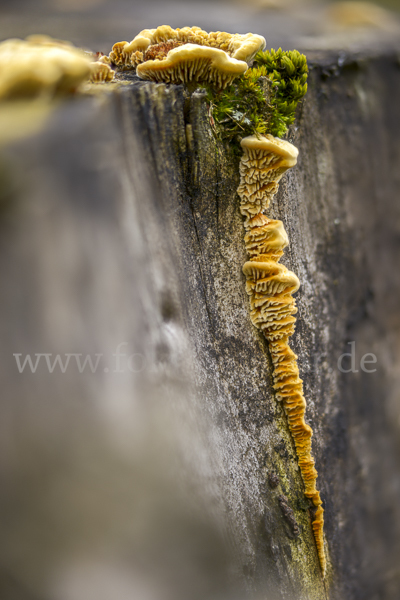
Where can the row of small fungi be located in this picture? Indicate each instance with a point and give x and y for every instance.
(42, 65)
(270, 286)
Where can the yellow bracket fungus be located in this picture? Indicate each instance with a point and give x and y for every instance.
(270, 287)
(187, 55)
(40, 66)
(191, 63)
(101, 71)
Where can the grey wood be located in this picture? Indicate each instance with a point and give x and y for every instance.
(120, 223)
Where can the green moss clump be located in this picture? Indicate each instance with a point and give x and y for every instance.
(288, 73)
(241, 108)
(264, 99)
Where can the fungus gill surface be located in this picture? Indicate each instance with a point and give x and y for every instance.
(187, 55)
(270, 286)
(40, 65)
(100, 70)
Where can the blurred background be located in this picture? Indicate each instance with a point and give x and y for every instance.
(305, 24)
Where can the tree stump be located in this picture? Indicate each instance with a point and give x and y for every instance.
(164, 468)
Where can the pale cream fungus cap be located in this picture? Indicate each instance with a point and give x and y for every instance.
(41, 65)
(270, 144)
(242, 47)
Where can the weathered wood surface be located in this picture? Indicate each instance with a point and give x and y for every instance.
(120, 223)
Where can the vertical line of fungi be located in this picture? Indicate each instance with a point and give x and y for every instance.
(270, 286)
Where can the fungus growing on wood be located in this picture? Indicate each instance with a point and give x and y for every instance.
(119, 57)
(191, 55)
(266, 237)
(101, 71)
(40, 66)
(265, 160)
(192, 64)
(270, 286)
(188, 55)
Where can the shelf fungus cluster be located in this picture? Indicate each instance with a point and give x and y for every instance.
(40, 65)
(270, 286)
(188, 55)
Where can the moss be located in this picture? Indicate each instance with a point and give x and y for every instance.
(263, 100)
(288, 73)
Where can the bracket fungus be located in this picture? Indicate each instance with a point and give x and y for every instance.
(188, 55)
(40, 66)
(101, 71)
(270, 286)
